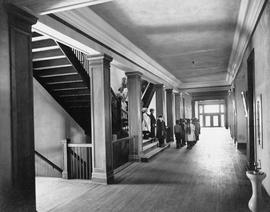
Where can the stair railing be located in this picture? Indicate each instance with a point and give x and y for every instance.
(122, 150)
(119, 117)
(49, 162)
(77, 160)
(82, 58)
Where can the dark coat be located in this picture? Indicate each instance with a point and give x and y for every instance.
(161, 129)
(153, 120)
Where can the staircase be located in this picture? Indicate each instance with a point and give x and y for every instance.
(148, 91)
(151, 149)
(59, 69)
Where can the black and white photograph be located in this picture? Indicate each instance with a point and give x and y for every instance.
(134, 106)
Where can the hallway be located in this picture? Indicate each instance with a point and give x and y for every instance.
(209, 177)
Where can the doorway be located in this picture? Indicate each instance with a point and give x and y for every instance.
(212, 114)
(250, 108)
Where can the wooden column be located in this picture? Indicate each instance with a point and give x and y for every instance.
(181, 106)
(135, 113)
(226, 112)
(170, 113)
(102, 159)
(17, 164)
(193, 109)
(177, 106)
(160, 100)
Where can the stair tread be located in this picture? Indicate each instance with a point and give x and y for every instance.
(148, 146)
(147, 140)
(154, 152)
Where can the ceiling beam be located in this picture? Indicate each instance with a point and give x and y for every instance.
(42, 7)
(91, 25)
(208, 89)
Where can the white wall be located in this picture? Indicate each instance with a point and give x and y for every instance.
(116, 78)
(153, 104)
(52, 125)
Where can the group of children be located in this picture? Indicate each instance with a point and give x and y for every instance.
(187, 132)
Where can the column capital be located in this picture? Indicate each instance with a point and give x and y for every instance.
(169, 90)
(99, 59)
(134, 74)
(159, 86)
(21, 14)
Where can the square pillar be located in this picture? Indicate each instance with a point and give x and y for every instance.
(170, 113)
(135, 113)
(192, 109)
(160, 100)
(181, 106)
(102, 154)
(177, 106)
(17, 162)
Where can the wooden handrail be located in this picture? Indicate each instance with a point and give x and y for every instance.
(148, 84)
(78, 157)
(114, 95)
(48, 161)
(123, 139)
(80, 145)
(75, 63)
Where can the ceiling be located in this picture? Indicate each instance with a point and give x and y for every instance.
(192, 39)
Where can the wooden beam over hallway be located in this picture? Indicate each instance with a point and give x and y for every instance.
(51, 6)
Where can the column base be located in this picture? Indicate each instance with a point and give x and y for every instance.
(102, 178)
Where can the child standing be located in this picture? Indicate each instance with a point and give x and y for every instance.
(177, 133)
(190, 131)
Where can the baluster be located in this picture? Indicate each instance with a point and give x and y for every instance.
(83, 156)
(80, 163)
(87, 162)
(76, 163)
(85, 167)
(90, 162)
(71, 162)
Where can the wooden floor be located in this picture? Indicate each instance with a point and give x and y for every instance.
(209, 177)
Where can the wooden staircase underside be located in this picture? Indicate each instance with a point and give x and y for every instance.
(57, 69)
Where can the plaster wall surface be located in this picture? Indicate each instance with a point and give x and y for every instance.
(231, 115)
(52, 125)
(241, 85)
(260, 42)
(188, 106)
(116, 78)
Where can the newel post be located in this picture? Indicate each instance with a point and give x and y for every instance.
(65, 173)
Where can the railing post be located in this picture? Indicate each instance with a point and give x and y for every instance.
(65, 173)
